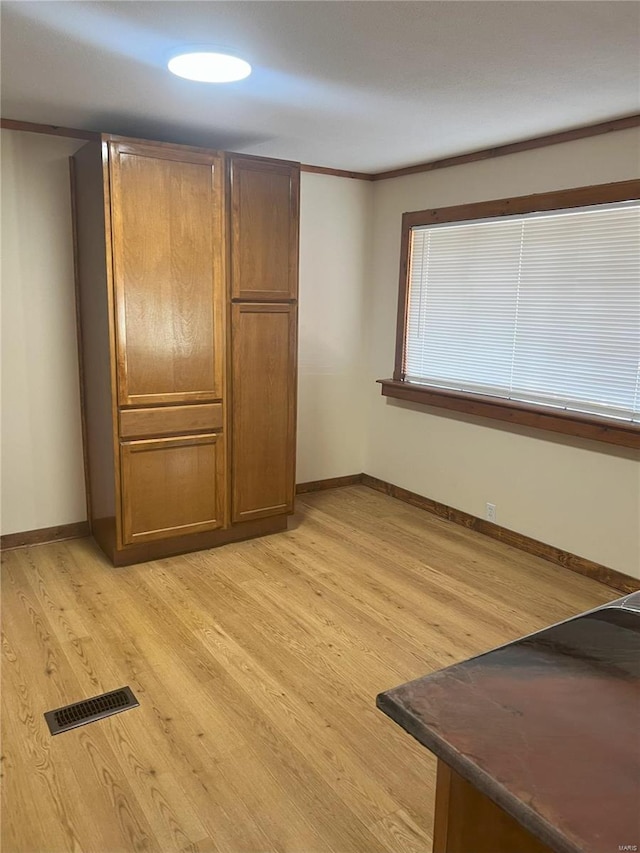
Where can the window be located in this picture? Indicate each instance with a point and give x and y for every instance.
(526, 310)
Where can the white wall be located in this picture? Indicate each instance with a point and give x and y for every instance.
(578, 495)
(42, 467)
(334, 229)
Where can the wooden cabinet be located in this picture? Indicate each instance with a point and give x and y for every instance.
(264, 288)
(188, 393)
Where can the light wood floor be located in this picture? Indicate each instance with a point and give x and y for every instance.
(256, 666)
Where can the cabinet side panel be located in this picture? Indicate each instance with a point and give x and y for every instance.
(466, 819)
(95, 351)
(263, 390)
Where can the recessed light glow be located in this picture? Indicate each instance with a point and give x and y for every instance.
(209, 67)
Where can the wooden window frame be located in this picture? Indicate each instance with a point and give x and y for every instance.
(622, 433)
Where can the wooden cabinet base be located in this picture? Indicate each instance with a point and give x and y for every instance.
(183, 544)
(467, 821)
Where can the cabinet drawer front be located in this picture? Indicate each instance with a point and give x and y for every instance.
(172, 486)
(170, 420)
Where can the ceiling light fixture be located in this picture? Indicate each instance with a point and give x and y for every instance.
(209, 66)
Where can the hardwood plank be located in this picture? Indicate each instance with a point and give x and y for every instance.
(400, 832)
(260, 666)
(256, 666)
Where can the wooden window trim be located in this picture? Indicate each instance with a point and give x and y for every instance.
(622, 433)
(604, 429)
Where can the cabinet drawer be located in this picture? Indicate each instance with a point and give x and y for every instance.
(172, 487)
(170, 420)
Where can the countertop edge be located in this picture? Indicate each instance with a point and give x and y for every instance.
(486, 784)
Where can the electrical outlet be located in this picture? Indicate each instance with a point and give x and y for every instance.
(491, 512)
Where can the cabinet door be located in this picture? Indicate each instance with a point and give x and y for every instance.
(264, 229)
(172, 486)
(263, 403)
(168, 266)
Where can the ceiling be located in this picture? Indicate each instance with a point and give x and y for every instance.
(365, 86)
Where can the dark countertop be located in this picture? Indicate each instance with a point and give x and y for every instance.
(548, 727)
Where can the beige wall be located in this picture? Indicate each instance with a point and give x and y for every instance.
(334, 229)
(577, 495)
(42, 468)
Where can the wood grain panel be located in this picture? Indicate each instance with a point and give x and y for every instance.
(556, 200)
(263, 409)
(96, 339)
(170, 420)
(171, 487)
(264, 229)
(466, 820)
(168, 273)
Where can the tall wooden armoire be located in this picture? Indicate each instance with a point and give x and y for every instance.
(187, 270)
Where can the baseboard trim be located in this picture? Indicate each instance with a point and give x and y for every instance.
(580, 565)
(330, 483)
(76, 530)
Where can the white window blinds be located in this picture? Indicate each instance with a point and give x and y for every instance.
(542, 308)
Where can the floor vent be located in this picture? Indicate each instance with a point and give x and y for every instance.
(90, 710)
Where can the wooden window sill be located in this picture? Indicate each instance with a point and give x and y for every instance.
(621, 433)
